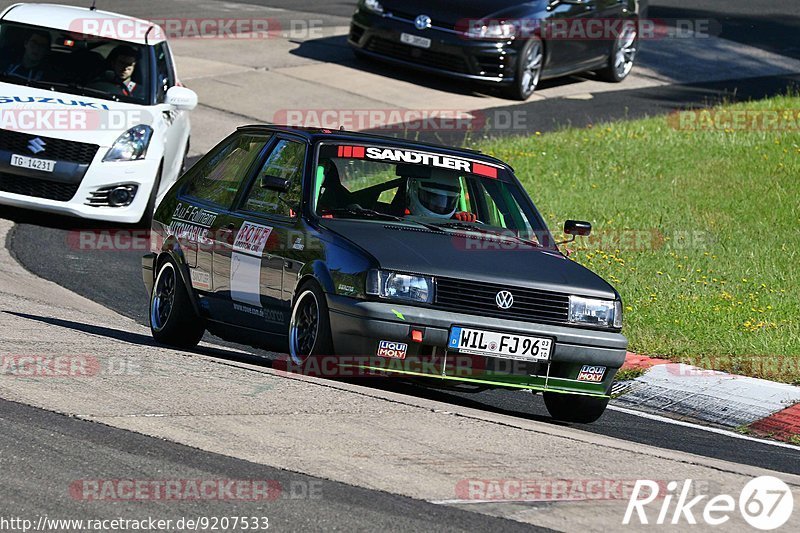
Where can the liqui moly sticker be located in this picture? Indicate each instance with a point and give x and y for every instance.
(592, 374)
(394, 350)
(252, 238)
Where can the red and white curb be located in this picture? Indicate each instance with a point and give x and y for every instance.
(719, 399)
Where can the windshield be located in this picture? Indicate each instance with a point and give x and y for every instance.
(435, 190)
(74, 63)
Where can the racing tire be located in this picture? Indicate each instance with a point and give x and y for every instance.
(173, 320)
(574, 407)
(622, 55)
(310, 324)
(528, 71)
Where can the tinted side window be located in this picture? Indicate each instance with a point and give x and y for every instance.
(219, 178)
(165, 78)
(285, 162)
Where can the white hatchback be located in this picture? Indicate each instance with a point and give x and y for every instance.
(93, 120)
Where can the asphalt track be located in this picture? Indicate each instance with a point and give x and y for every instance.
(42, 454)
(87, 273)
(40, 242)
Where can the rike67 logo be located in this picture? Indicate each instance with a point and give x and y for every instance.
(765, 503)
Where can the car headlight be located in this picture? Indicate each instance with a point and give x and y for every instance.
(131, 145)
(403, 287)
(603, 313)
(374, 6)
(493, 29)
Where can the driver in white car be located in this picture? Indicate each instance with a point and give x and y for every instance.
(31, 66)
(122, 61)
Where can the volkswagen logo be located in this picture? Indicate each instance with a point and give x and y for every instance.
(36, 145)
(504, 300)
(422, 22)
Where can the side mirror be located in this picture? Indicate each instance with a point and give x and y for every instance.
(577, 227)
(274, 183)
(181, 98)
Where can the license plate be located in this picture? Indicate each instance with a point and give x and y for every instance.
(44, 165)
(503, 345)
(415, 40)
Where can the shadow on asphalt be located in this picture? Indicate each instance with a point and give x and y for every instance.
(336, 50)
(517, 404)
(269, 361)
(144, 340)
(777, 34)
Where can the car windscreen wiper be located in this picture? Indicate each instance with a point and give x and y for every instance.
(355, 209)
(455, 224)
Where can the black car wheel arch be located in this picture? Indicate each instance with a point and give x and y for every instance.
(172, 318)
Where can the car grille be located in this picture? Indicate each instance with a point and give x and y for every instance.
(421, 56)
(51, 190)
(478, 298)
(356, 32)
(410, 17)
(55, 149)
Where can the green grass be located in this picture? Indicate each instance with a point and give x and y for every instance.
(698, 230)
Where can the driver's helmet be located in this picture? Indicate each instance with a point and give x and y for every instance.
(436, 196)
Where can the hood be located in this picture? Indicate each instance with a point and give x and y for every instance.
(68, 116)
(453, 12)
(452, 254)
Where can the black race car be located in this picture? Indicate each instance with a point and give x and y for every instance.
(513, 43)
(366, 255)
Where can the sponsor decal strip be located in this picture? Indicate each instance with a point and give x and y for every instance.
(417, 158)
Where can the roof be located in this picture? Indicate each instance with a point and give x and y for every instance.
(318, 134)
(87, 21)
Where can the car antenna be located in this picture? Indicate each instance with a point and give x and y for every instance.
(94, 6)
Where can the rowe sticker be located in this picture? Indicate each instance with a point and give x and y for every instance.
(393, 350)
(252, 238)
(590, 373)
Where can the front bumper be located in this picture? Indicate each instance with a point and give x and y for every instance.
(451, 53)
(99, 175)
(358, 326)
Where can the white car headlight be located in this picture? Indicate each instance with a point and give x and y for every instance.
(403, 287)
(493, 29)
(603, 313)
(131, 145)
(374, 6)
